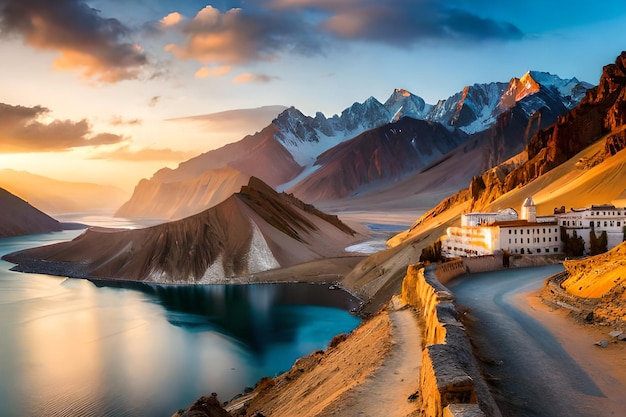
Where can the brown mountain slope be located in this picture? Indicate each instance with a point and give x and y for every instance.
(211, 177)
(54, 196)
(20, 218)
(386, 153)
(252, 231)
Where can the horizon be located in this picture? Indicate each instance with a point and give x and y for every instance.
(108, 92)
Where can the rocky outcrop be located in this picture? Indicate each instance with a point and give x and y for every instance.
(254, 230)
(593, 289)
(449, 374)
(20, 218)
(204, 407)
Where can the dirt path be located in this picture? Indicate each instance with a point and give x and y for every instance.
(386, 392)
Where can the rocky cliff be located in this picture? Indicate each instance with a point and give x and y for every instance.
(254, 230)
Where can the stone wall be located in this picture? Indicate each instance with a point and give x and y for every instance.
(450, 381)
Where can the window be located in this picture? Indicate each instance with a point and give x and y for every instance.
(598, 224)
(509, 231)
(544, 239)
(544, 230)
(547, 250)
(538, 250)
(618, 224)
(605, 223)
(515, 231)
(515, 240)
(556, 250)
(527, 240)
(556, 238)
(549, 239)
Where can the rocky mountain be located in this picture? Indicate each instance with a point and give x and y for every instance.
(288, 153)
(578, 160)
(254, 230)
(54, 196)
(478, 106)
(20, 218)
(211, 177)
(389, 152)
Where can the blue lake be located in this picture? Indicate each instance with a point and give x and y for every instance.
(73, 347)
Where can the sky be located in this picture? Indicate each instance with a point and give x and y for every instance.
(105, 91)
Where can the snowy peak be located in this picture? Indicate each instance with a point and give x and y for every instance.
(518, 89)
(402, 103)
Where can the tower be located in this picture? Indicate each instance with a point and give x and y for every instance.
(529, 210)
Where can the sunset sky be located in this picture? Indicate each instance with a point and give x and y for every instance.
(90, 88)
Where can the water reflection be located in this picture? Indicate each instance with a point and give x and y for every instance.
(257, 315)
(73, 347)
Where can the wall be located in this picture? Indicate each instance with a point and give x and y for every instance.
(450, 381)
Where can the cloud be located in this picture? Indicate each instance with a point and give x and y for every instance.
(220, 71)
(239, 36)
(154, 101)
(171, 19)
(124, 153)
(99, 47)
(253, 78)
(23, 132)
(401, 23)
(117, 120)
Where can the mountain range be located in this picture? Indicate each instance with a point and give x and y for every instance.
(54, 196)
(328, 160)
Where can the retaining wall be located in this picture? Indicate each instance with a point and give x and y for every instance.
(450, 381)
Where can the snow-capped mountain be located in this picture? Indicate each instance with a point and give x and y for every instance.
(478, 106)
(285, 153)
(474, 109)
(307, 137)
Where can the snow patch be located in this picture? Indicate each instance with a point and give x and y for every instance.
(214, 273)
(260, 256)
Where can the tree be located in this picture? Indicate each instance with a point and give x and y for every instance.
(597, 245)
(574, 245)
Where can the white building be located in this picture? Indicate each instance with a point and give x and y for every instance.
(486, 233)
(602, 218)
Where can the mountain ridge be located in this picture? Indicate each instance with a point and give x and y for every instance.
(252, 231)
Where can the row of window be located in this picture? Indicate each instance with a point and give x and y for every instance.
(611, 213)
(521, 232)
(535, 240)
(523, 251)
(609, 223)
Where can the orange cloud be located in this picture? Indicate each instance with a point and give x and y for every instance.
(23, 132)
(253, 78)
(171, 19)
(238, 36)
(88, 42)
(124, 153)
(220, 71)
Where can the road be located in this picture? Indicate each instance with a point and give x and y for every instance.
(533, 376)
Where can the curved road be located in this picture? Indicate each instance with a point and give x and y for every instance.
(533, 376)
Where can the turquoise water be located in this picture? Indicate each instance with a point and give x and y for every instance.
(76, 348)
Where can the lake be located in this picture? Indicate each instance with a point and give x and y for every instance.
(73, 347)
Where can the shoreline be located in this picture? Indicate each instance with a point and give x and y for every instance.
(605, 366)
